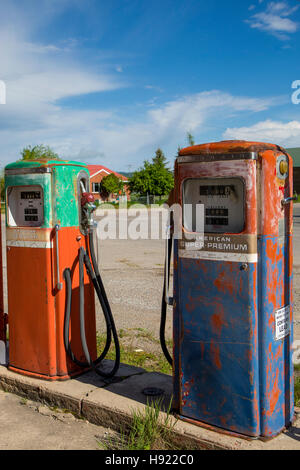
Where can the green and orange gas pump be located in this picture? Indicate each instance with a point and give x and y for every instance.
(3, 316)
(52, 271)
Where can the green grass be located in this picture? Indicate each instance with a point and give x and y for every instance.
(297, 384)
(148, 361)
(297, 391)
(147, 431)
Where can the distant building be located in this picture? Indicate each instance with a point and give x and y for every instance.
(295, 154)
(97, 173)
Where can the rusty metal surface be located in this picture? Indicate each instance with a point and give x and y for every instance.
(229, 146)
(231, 370)
(36, 306)
(2, 314)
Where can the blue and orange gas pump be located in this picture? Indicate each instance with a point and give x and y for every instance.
(232, 301)
(52, 271)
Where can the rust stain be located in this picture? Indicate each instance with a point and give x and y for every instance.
(271, 320)
(186, 390)
(274, 396)
(223, 284)
(229, 146)
(215, 352)
(218, 319)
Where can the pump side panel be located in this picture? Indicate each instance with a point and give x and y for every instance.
(218, 350)
(31, 313)
(2, 315)
(275, 294)
(277, 381)
(70, 241)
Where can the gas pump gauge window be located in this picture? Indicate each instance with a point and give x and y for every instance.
(223, 200)
(25, 206)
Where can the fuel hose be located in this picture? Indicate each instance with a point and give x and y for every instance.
(162, 330)
(84, 262)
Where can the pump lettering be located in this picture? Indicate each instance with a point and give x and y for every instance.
(228, 247)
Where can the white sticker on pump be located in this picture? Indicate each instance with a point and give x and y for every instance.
(282, 323)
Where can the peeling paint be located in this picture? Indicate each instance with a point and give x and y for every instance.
(239, 376)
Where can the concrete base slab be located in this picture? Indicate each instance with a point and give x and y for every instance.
(110, 403)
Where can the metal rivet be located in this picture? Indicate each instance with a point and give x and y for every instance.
(244, 267)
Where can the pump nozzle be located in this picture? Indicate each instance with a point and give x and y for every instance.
(88, 207)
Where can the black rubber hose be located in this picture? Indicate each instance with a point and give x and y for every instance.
(81, 308)
(163, 317)
(102, 297)
(67, 344)
(96, 270)
(84, 259)
(106, 314)
(67, 277)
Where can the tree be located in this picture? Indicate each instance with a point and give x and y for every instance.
(111, 184)
(190, 139)
(38, 152)
(2, 185)
(154, 177)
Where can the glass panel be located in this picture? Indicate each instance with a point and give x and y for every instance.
(222, 200)
(25, 206)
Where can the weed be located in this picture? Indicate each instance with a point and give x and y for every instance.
(297, 391)
(147, 430)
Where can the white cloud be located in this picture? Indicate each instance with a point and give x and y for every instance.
(274, 20)
(105, 135)
(285, 134)
(37, 76)
(189, 112)
(122, 139)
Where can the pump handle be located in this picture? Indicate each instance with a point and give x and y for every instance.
(287, 200)
(169, 300)
(59, 285)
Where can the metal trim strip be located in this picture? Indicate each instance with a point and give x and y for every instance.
(27, 171)
(219, 256)
(215, 157)
(28, 244)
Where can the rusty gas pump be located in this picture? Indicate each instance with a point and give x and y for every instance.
(232, 301)
(3, 315)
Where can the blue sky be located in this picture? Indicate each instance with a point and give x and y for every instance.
(111, 81)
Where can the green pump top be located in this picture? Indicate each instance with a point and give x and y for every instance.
(61, 183)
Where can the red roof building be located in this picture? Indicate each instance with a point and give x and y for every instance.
(97, 173)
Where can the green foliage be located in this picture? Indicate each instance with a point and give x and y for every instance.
(149, 361)
(154, 177)
(190, 139)
(2, 192)
(111, 184)
(297, 384)
(148, 430)
(38, 152)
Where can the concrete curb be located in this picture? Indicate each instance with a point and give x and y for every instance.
(110, 404)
